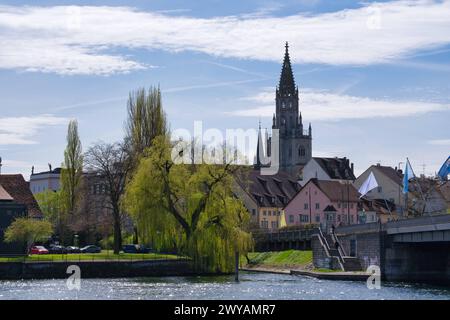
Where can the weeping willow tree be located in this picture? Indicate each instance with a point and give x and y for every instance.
(190, 208)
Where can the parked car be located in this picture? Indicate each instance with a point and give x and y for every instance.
(72, 249)
(91, 249)
(135, 248)
(57, 249)
(38, 250)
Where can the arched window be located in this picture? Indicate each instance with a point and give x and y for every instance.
(301, 151)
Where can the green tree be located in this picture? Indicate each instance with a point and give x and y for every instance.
(146, 120)
(191, 208)
(72, 170)
(51, 204)
(27, 230)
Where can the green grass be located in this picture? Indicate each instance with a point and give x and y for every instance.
(104, 255)
(289, 258)
(325, 270)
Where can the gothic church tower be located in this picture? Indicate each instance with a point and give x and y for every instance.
(295, 142)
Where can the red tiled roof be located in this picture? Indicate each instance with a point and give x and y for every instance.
(16, 186)
(269, 190)
(336, 191)
(336, 168)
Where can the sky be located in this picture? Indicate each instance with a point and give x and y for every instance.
(373, 77)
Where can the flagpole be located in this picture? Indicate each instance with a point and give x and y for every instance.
(417, 182)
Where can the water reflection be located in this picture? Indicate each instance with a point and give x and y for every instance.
(251, 286)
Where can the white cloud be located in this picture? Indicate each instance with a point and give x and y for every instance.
(326, 106)
(20, 130)
(440, 142)
(79, 40)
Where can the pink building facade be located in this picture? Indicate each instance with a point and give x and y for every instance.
(323, 202)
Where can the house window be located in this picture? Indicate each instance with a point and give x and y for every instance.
(317, 218)
(274, 224)
(303, 218)
(317, 206)
(265, 224)
(253, 212)
(269, 213)
(264, 213)
(291, 218)
(305, 206)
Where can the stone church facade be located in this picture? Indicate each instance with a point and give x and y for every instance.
(295, 142)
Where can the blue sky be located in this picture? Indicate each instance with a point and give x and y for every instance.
(373, 76)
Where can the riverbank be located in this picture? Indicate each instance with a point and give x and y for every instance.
(296, 262)
(97, 269)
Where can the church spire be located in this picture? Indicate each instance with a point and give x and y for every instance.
(287, 82)
(259, 149)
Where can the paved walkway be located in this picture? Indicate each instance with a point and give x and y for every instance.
(348, 276)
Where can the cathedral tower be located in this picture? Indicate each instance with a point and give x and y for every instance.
(295, 142)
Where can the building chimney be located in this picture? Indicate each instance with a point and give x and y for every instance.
(352, 167)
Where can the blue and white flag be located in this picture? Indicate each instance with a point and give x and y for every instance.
(369, 184)
(408, 174)
(445, 169)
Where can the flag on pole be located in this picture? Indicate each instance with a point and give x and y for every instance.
(407, 175)
(443, 172)
(369, 184)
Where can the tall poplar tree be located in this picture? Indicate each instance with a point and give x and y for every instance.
(146, 120)
(72, 169)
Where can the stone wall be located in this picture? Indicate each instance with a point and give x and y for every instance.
(321, 257)
(96, 269)
(368, 247)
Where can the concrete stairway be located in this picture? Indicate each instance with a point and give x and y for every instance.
(352, 264)
(349, 263)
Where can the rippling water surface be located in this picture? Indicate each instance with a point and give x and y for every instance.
(251, 286)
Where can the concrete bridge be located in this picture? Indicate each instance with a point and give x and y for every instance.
(416, 249)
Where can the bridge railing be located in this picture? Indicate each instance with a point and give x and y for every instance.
(419, 221)
(377, 226)
(293, 234)
(358, 228)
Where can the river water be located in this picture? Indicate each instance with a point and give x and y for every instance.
(250, 286)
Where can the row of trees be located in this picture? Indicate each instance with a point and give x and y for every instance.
(188, 208)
